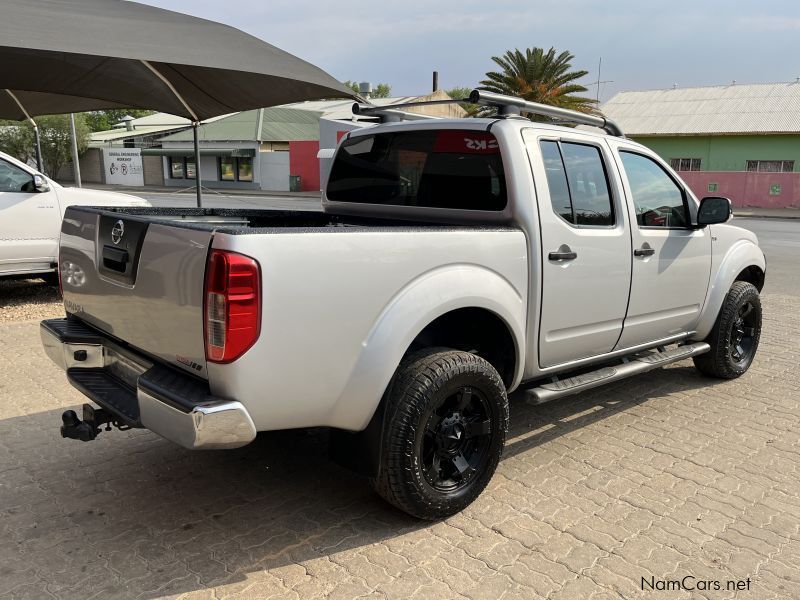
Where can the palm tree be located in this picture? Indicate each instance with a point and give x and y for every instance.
(539, 76)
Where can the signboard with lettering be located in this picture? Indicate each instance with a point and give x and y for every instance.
(123, 166)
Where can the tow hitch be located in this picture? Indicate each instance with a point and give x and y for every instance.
(87, 429)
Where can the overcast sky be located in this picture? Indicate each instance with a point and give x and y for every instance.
(643, 44)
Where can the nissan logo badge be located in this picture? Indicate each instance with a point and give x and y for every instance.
(117, 232)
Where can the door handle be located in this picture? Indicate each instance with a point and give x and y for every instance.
(645, 250)
(564, 252)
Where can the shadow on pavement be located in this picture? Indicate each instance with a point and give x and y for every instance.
(133, 515)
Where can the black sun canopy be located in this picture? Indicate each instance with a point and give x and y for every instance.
(60, 56)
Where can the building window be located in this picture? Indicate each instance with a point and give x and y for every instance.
(771, 166)
(227, 168)
(190, 170)
(176, 168)
(685, 164)
(245, 168)
(235, 169)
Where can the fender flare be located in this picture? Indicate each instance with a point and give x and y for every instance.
(741, 255)
(413, 308)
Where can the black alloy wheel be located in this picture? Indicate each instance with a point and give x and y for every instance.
(743, 333)
(735, 335)
(455, 444)
(444, 430)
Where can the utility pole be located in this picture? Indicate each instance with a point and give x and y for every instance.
(76, 167)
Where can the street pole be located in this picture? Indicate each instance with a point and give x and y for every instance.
(197, 165)
(76, 167)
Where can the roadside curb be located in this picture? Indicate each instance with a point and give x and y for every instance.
(762, 216)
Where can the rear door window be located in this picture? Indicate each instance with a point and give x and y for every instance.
(578, 183)
(456, 169)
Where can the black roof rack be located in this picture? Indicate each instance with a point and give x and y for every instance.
(508, 106)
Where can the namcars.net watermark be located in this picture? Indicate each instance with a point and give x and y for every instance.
(691, 583)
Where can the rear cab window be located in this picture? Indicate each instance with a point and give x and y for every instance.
(446, 168)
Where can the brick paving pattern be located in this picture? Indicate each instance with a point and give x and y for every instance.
(665, 475)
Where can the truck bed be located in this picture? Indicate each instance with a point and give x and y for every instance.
(138, 275)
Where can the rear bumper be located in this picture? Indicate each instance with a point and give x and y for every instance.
(141, 393)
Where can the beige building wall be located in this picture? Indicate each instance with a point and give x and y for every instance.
(448, 111)
(153, 167)
(91, 168)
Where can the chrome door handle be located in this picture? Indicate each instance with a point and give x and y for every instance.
(645, 250)
(564, 252)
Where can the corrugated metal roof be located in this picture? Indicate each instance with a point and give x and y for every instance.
(275, 124)
(722, 109)
(110, 135)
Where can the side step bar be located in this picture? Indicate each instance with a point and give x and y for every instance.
(640, 363)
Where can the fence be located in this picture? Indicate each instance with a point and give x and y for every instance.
(747, 188)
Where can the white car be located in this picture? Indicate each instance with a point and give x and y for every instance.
(31, 209)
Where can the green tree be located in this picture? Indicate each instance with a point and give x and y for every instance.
(382, 90)
(463, 92)
(17, 139)
(56, 140)
(539, 76)
(103, 120)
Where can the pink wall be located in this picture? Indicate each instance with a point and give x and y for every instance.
(747, 188)
(303, 161)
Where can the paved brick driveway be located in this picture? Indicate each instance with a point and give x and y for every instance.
(662, 476)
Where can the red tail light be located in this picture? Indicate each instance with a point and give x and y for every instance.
(232, 305)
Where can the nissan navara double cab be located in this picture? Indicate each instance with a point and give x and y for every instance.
(455, 261)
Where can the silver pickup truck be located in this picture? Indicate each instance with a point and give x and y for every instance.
(455, 261)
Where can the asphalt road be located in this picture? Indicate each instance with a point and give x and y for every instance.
(780, 241)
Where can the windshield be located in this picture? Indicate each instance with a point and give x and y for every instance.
(458, 169)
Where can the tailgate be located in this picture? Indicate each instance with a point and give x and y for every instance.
(139, 280)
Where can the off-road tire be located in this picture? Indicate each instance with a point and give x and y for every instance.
(721, 360)
(426, 383)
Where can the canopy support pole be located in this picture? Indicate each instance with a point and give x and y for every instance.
(195, 123)
(76, 167)
(35, 131)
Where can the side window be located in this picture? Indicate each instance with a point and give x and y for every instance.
(658, 200)
(578, 184)
(557, 180)
(14, 179)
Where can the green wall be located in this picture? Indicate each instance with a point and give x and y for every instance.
(728, 152)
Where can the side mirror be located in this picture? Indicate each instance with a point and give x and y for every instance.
(40, 183)
(713, 210)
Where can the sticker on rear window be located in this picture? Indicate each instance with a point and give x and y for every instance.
(467, 142)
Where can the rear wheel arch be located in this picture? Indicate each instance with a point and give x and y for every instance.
(490, 337)
(476, 330)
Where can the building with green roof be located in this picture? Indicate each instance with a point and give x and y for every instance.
(265, 149)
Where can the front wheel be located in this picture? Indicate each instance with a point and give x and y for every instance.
(447, 419)
(735, 336)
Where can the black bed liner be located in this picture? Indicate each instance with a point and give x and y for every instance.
(279, 221)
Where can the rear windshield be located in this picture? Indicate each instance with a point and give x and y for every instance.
(459, 169)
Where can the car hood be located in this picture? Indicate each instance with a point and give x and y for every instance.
(86, 197)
